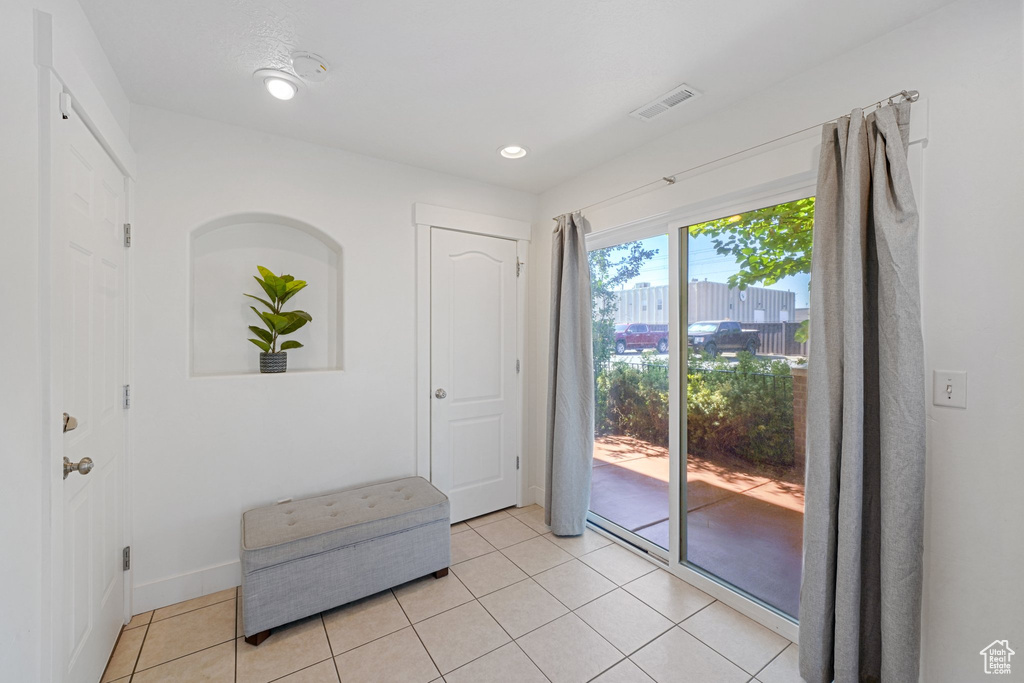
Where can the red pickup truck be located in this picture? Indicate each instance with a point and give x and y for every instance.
(640, 336)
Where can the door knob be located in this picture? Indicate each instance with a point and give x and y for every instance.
(83, 466)
(70, 423)
(440, 393)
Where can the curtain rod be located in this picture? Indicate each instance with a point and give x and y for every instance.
(907, 95)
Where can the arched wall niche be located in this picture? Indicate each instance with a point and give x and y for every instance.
(223, 255)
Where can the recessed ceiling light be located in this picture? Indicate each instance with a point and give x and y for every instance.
(280, 88)
(280, 84)
(513, 152)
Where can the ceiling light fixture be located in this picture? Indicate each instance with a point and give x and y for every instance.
(280, 84)
(513, 151)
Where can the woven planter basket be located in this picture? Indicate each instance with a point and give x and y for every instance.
(274, 362)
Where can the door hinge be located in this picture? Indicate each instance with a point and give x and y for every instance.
(64, 102)
(127, 396)
(517, 462)
(126, 558)
(519, 267)
(517, 366)
(127, 234)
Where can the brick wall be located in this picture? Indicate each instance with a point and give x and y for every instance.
(800, 416)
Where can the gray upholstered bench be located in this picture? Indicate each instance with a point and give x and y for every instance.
(307, 556)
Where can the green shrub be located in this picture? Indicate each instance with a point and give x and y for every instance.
(743, 410)
(633, 400)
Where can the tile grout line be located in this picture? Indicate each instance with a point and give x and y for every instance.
(280, 678)
(722, 654)
(486, 611)
(475, 598)
(759, 671)
(528, 578)
(189, 611)
(187, 654)
(330, 648)
(135, 668)
(617, 585)
(573, 611)
(138, 655)
(410, 622)
(676, 623)
(571, 558)
(570, 611)
(602, 673)
(511, 639)
(413, 627)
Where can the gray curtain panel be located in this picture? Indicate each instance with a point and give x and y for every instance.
(860, 602)
(570, 435)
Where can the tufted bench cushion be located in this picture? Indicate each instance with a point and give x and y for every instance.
(307, 556)
(278, 533)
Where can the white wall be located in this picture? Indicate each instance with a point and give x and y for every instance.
(207, 448)
(22, 514)
(966, 60)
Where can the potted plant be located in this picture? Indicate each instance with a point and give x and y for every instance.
(277, 321)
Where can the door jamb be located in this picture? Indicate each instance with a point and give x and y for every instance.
(425, 218)
(60, 72)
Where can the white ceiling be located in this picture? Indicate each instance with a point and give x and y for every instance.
(442, 84)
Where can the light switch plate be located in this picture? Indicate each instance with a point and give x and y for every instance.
(949, 388)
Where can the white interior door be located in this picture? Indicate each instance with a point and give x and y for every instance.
(89, 331)
(475, 408)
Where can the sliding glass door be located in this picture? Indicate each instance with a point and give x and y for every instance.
(700, 358)
(747, 311)
(631, 475)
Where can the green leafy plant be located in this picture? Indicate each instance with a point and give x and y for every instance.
(277, 321)
(742, 410)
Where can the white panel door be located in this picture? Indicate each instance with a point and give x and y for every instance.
(474, 407)
(89, 329)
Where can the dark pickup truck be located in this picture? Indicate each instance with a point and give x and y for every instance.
(712, 336)
(640, 336)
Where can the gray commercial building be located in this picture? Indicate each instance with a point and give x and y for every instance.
(707, 301)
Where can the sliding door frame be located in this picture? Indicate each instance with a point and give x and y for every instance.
(673, 223)
(610, 238)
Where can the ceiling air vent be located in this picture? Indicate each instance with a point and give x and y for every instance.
(663, 103)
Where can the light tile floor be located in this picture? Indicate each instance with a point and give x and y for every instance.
(519, 606)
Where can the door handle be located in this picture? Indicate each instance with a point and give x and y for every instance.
(440, 393)
(70, 423)
(83, 466)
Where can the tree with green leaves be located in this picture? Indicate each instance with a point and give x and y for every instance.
(768, 244)
(611, 268)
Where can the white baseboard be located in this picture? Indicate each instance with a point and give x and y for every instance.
(174, 589)
(537, 495)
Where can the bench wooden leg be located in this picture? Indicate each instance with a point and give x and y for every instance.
(258, 638)
(441, 572)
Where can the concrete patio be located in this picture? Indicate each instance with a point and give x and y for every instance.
(744, 528)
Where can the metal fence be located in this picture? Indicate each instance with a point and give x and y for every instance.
(778, 382)
(640, 364)
(778, 339)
